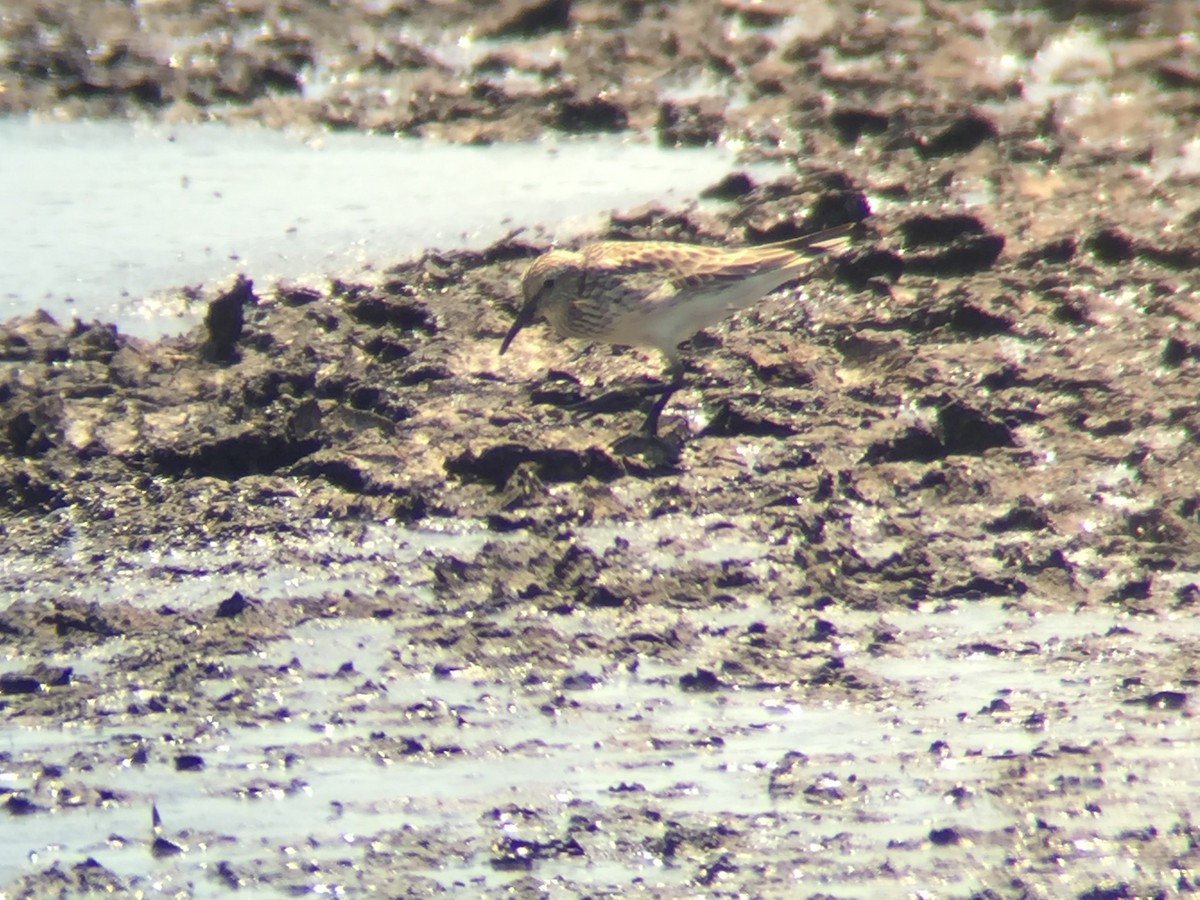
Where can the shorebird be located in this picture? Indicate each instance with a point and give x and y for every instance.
(659, 293)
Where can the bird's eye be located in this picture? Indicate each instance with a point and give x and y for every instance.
(548, 284)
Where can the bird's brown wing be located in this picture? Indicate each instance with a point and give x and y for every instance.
(659, 270)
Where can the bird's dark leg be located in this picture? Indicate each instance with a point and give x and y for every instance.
(675, 370)
(629, 396)
(617, 400)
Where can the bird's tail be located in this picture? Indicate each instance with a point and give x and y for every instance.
(828, 240)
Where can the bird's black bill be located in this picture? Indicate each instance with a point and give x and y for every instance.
(524, 317)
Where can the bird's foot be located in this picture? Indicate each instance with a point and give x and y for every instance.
(621, 399)
(657, 451)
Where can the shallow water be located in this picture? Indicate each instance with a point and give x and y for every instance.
(313, 785)
(264, 566)
(111, 219)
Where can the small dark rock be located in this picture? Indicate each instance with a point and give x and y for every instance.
(594, 114)
(1164, 700)
(1111, 245)
(17, 805)
(527, 18)
(695, 124)
(731, 187)
(961, 136)
(1022, 517)
(162, 848)
(13, 683)
(852, 124)
(944, 837)
(700, 681)
(233, 605)
(225, 319)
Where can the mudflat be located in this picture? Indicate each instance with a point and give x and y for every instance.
(904, 600)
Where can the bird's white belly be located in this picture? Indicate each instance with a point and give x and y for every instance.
(669, 322)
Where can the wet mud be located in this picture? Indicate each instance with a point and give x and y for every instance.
(903, 601)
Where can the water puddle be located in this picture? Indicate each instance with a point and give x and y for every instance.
(378, 732)
(111, 219)
(870, 768)
(329, 558)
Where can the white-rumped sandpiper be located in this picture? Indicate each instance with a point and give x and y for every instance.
(659, 293)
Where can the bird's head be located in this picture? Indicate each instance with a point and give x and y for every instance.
(551, 280)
